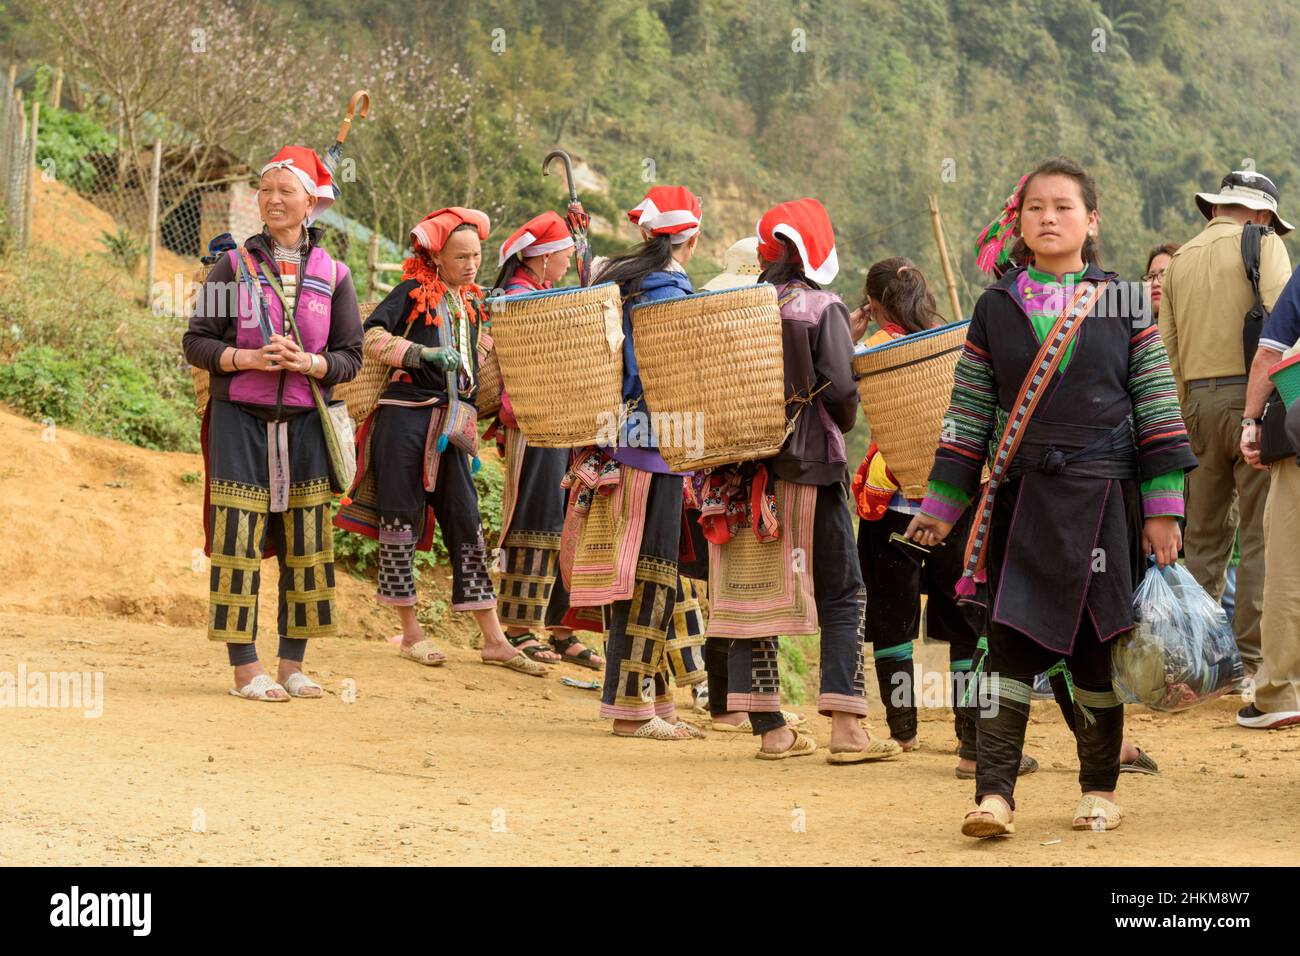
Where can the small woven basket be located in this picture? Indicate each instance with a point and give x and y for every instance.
(200, 375)
(905, 386)
(489, 376)
(560, 353)
(362, 392)
(712, 366)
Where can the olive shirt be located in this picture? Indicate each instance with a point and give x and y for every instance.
(1205, 296)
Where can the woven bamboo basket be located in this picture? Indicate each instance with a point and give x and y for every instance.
(905, 386)
(489, 376)
(200, 375)
(712, 366)
(561, 357)
(362, 392)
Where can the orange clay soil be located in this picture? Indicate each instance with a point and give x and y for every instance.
(471, 764)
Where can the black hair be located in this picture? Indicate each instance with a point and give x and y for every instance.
(900, 287)
(1164, 249)
(1063, 166)
(789, 268)
(630, 268)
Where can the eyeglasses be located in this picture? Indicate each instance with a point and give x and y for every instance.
(1154, 276)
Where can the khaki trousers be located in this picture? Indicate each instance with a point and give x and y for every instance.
(1277, 685)
(1222, 478)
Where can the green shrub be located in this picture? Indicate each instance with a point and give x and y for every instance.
(122, 248)
(43, 384)
(66, 141)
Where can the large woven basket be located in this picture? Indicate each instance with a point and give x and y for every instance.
(713, 372)
(561, 358)
(905, 386)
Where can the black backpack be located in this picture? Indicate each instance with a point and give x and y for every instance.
(1273, 442)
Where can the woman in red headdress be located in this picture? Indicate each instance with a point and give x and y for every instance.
(291, 321)
(418, 449)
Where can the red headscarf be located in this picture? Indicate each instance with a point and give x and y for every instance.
(668, 211)
(308, 169)
(538, 236)
(427, 238)
(807, 225)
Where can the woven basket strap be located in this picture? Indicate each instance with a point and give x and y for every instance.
(1048, 360)
(803, 401)
(384, 379)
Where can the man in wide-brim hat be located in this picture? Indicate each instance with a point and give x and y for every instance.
(1204, 301)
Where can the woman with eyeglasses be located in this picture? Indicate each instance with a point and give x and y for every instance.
(1157, 261)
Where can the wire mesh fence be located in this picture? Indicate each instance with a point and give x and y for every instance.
(15, 148)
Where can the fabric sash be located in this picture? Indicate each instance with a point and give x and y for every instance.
(1046, 363)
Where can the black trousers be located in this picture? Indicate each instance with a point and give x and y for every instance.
(895, 581)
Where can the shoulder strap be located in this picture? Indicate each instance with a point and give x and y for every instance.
(1251, 238)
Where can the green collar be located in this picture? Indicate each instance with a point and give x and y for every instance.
(1046, 278)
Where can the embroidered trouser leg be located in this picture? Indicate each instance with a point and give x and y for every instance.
(960, 671)
(239, 520)
(455, 504)
(636, 686)
(754, 682)
(841, 605)
(529, 580)
(684, 660)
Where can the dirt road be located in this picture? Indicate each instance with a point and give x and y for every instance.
(471, 764)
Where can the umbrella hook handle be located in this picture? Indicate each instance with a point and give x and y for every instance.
(568, 170)
(362, 97)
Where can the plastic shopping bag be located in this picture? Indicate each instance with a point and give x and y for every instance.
(1181, 652)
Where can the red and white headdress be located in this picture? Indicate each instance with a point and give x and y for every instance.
(668, 211)
(538, 236)
(314, 175)
(807, 225)
(431, 232)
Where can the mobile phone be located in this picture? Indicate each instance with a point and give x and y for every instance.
(916, 552)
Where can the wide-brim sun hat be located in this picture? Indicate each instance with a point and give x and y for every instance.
(1244, 187)
(740, 267)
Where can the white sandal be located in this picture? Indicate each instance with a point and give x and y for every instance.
(420, 651)
(258, 688)
(299, 682)
(656, 728)
(1100, 813)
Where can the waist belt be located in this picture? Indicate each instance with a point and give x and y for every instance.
(1218, 382)
(1114, 455)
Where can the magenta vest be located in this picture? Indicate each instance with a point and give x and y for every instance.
(316, 285)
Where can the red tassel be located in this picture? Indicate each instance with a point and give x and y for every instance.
(345, 501)
(966, 586)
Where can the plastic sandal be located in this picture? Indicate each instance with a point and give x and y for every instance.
(1027, 766)
(747, 727)
(522, 664)
(691, 730)
(803, 746)
(533, 650)
(656, 728)
(299, 682)
(1143, 764)
(257, 689)
(583, 658)
(420, 651)
(874, 750)
(997, 823)
(1100, 814)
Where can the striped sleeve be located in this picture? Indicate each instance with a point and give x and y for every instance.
(968, 422)
(1161, 435)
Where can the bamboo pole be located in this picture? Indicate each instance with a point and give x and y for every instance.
(155, 186)
(943, 258)
(56, 92)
